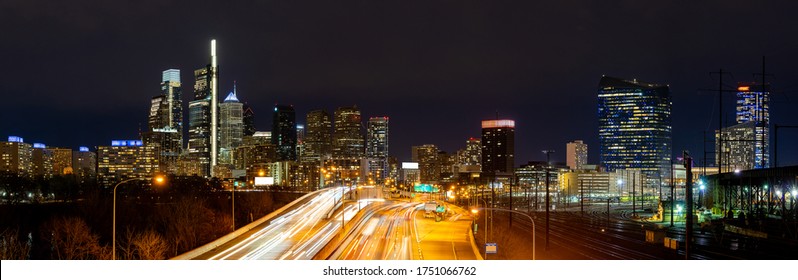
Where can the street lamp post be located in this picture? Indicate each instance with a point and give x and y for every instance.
(157, 179)
(486, 221)
(548, 166)
(476, 210)
(233, 191)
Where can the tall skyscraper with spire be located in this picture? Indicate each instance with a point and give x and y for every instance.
(203, 116)
(231, 130)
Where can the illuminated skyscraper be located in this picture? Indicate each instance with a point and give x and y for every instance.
(284, 132)
(231, 127)
(377, 137)
(171, 90)
(576, 154)
(62, 161)
(15, 156)
(125, 159)
(249, 120)
(300, 141)
(753, 106)
(84, 164)
(498, 146)
(166, 122)
(199, 134)
(318, 143)
(634, 126)
(737, 152)
(42, 161)
(377, 148)
(348, 136)
(472, 154)
(428, 164)
(203, 116)
(469, 160)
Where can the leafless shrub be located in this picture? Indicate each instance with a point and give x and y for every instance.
(71, 239)
(11, 248)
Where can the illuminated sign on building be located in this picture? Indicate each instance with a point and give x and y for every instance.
(15, 139)
(409, 165)
(39, 145)
(84, 149)
(124, 143)
(743, 88)
(498, 124)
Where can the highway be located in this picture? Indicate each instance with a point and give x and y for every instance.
(373, 229)
(297, 233)
(385, 233)
(398, 230)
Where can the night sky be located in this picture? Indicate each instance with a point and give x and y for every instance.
(81, 73)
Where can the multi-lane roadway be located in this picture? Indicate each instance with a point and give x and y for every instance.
(347, 223)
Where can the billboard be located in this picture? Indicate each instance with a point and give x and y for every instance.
(264, 181)
(409, 165)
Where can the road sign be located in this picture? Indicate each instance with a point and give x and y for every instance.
(491, 248)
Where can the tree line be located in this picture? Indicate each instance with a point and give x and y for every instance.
(70, 219)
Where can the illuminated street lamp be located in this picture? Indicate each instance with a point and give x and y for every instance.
(701, 187)
(476, 210)
(158, 180)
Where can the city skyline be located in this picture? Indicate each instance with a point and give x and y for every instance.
(482, 79)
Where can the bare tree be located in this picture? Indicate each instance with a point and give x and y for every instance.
(188, 223)
(124, 248)
(11, 248)
(71, 239)
(150, 245)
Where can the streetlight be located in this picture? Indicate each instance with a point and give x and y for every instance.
(476, 210)
(158, 179)
(701, 187)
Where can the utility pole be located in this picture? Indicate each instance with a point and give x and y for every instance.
(634, 209)
(719, 151)
(548, 165)
(581, 196)
(720, 130)
(761, 123)
(511, 203)
(673, 193)
(688, 233)
(642, 192)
